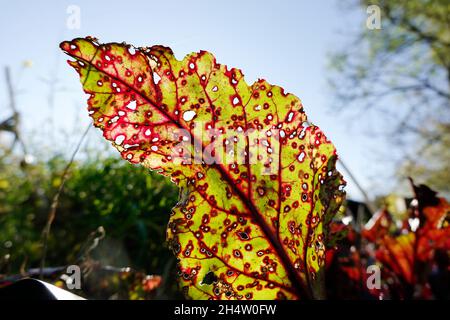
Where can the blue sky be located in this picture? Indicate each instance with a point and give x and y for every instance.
(285, 42)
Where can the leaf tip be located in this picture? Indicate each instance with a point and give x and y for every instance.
(64, 45)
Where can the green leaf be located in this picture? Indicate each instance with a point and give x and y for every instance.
(258, 185)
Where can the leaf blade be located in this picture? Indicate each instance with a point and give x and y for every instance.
(267, 194)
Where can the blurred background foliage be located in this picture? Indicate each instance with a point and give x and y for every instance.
(395, 80)
(130, 204)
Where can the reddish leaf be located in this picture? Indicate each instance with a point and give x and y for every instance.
(258, 186)
(150, 283)
(378, 226)
(397, 254)
(433, 231)
(410, 255)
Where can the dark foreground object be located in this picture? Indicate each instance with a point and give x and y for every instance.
(32, 289)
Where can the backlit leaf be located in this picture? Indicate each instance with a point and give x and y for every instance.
(258, 185)
(411, 253)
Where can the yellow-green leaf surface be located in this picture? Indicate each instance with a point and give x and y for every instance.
(258, 185)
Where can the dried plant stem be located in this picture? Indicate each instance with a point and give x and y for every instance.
(15, 118)
(55, 202)
(369, 204)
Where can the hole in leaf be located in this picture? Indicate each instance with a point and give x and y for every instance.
(119, 139)
(156, 77)
(301, 156)
(209, 278)
(132, 105)
(243, 236)
(290, 116)
(189, 115)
